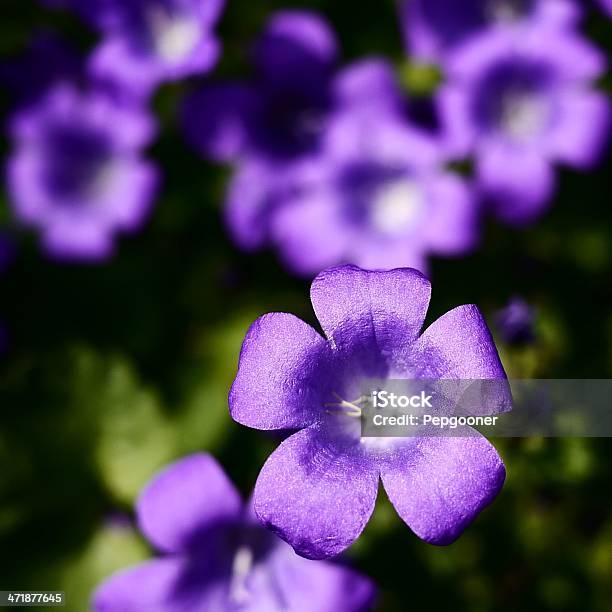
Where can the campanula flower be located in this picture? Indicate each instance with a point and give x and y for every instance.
(148, 42)
(521, 101)
(215, 556)
(377, 197)
(369, 190)
(76, 172)
(432, 28)
(318, 489)
(270, 126)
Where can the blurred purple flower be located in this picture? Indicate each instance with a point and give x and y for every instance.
(522, 100)
(434, 27)
(147, 42)
(318, 489)
(368, 187)
(280, 114)
(46, 60)
(76, 174)
(516, 322)
(216, 556)
(378, 197)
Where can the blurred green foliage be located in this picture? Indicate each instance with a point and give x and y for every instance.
(114, 370)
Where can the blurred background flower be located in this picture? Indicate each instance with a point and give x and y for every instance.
(217, 556)
(521, 100)
(75, 172)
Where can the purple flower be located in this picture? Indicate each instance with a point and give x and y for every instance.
(318, 489)
(369, 190)
(521, 100)
(147, 42)
(377, 197)
(76, 174)
(516, 321)
(215, 556)
(274, 121)
(280, 114)
(434, 27)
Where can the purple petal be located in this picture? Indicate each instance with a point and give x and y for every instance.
(310, 233)
(459, 131)
(382, 253)
(296, 45)
(316, 497)
(113, 66)
(183, 501)
(378, 309)
(434, 29)
(251, 197)
(558, 13)
(281, 370)
(163, 585)
(318, 586)
(579, 139)
(459, 346)
(519, 181)
(79, 240)
(440, 487)
(370, 81)
(570, 55)
(373, 133)
(573, 55)
(210, 11)
(452, 226)
(216, 120)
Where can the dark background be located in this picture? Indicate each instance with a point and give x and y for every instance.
(114, 370)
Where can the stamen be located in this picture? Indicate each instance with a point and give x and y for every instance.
(345, 407)
(243, 562)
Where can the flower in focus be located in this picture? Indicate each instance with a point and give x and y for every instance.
(76, 172)
(147, 42)
(521, 100)
(434, 27)
(216, 556)
(516, 321)
(318, 489)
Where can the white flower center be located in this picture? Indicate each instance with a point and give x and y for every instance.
(503, 11)
(397, 205)
(242, 565)
(524, 116)
(174, 36)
